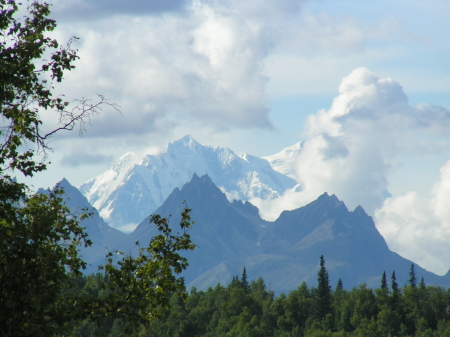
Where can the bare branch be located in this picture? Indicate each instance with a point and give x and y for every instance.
(80, 114)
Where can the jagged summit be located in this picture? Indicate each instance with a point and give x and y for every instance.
(134, 188)
(183, 143)
(231, 235)
(64, 182)
(98, 231)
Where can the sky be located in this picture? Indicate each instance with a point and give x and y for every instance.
(364, 85)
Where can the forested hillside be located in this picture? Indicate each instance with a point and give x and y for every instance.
(244, 308)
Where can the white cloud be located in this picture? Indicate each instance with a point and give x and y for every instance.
(203, 63)
(419, 228)
(350, 149)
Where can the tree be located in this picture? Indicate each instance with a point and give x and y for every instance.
(244, 281)
(422, 283)
(39, 237)
(138, 289)
(383, 291)
(412, 277)
(384, 284)
(395, 295)
(340, 285)
(27, 81)
(323, 292)
(38, 255)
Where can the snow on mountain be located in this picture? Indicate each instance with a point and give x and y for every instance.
(285, 161)
(133, 187)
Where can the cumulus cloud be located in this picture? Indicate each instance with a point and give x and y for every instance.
(202, 63)
(205, 63)
(418, 227)
(350, 149)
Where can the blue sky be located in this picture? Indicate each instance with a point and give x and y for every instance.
(253, 76)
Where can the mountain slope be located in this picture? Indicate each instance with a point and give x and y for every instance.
(104, 237)
(286, 160)
(134, 188)
(231, 236)
(222, 230)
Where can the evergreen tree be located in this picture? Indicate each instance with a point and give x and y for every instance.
(394, 284)
(395, 296)
(244, 281)
(323, 292)
(422, 283)
(412, 277)
(339, 285)
(383, 281)
(383, 291)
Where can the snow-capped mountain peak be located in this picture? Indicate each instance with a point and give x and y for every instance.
(285, 160)
(133, 188)
(182, 144)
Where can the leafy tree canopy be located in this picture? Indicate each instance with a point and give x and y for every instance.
(39, 236)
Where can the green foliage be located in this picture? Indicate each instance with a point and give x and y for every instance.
(39, 239)
(139, 288)
(25, 75)
(31, 63)
(231, 311)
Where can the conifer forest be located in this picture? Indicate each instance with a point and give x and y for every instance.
(244, 308)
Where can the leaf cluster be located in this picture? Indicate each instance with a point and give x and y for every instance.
(31, 62)
(139, 288)
(39, 242)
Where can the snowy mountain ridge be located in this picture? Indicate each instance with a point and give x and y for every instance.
(285, 160)
(134, 187)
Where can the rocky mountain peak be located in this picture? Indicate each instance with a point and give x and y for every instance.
(132, 189)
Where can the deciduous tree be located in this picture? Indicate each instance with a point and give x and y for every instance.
(39, 237)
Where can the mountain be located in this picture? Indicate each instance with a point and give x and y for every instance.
(231, 236)
(222, 231)
(285, 161)
(134, 187)
(104, 237)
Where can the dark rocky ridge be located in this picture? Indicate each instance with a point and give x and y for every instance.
(231, 236)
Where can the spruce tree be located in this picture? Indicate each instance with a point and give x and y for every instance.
(340, 285)
(383, 291)
(422, 283)
(323, 291)
(244, 281)
(394, 284)
(395, 296)
(384, 281)
(412, 277)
